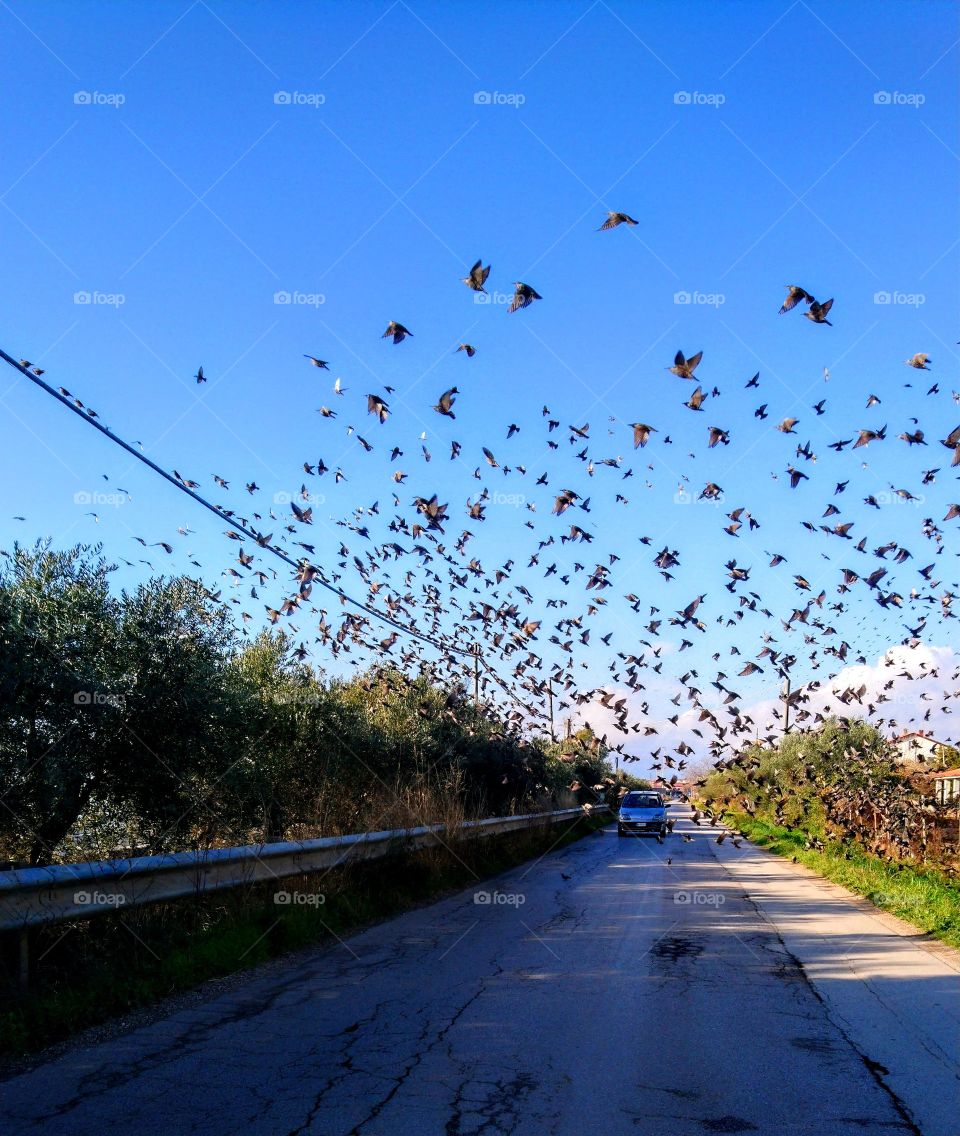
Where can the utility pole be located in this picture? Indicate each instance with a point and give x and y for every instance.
(476, 673)
(553, 736)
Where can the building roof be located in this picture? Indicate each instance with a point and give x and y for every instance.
(946, 773)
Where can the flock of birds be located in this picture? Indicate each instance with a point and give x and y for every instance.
(408, 569)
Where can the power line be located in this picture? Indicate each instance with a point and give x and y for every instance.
(469, 652)
(222, 515)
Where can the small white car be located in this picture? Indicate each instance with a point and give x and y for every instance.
(643, 813)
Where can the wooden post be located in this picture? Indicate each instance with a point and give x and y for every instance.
(476, 673)
(553, 736)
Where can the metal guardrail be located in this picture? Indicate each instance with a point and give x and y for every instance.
(33, 896)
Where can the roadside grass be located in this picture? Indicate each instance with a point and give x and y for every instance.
(88, 972)
(925, 897)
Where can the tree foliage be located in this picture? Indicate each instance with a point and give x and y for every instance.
(143, 720)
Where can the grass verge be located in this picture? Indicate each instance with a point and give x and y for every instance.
(924, 897)
(88, 972)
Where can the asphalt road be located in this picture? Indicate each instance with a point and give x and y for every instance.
(607, 990)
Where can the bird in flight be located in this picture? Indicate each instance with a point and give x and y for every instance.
(794, 295)
(682, 367)
(641, 433)
(321, 363)
(523, 296)
(615, 219)
(818, 312)
(446, 401)
(397, 331)
(477, 277)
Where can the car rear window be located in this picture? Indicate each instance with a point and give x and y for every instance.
(640, 801)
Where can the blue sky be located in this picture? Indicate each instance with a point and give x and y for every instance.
(181, 166)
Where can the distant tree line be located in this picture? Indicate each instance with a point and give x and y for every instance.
(144, 720)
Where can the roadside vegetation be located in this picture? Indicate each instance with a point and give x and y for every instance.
(926, 897)
(144, 721)
(836, 800)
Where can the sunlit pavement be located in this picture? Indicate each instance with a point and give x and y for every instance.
(618, 984)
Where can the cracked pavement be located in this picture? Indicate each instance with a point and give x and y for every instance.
(726, 991)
